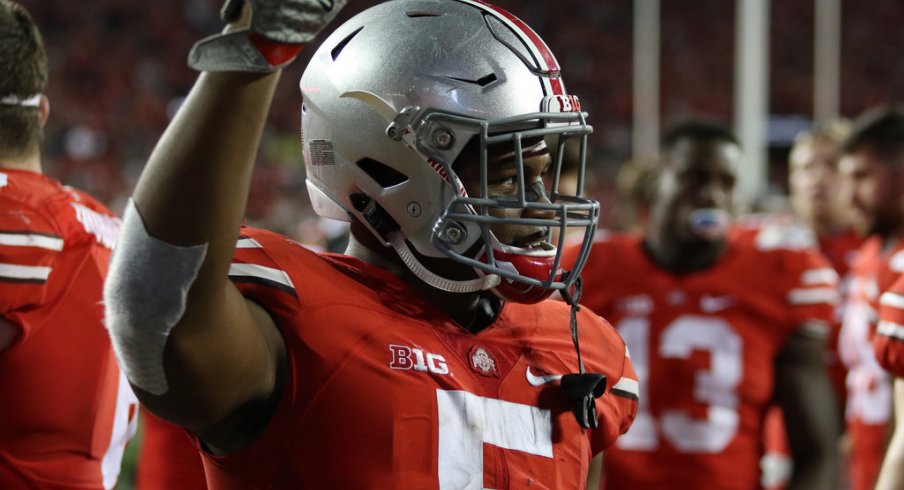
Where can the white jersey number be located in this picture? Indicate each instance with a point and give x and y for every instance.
(715, 387)
(125, 424)
(468, 421)
(869, 388)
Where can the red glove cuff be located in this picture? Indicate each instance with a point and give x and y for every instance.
(277, 54)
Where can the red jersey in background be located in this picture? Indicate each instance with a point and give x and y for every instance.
(704, 346)
(66, 412)
(889, 339)
(869, 404)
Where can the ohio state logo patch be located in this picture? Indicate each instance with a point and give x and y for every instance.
(482, 362)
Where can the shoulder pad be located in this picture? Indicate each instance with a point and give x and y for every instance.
(784, 232)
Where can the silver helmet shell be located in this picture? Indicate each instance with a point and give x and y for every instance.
(395, 94)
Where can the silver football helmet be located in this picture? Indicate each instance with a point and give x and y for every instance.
(392, 98)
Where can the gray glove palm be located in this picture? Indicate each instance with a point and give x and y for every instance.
(277, 31)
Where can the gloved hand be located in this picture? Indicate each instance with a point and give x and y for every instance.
(276, 33)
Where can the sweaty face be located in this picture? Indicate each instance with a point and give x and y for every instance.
(871, 189)
(813, 182)
(696, 187)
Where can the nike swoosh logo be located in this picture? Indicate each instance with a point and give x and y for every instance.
(535, 380)
(712, 304)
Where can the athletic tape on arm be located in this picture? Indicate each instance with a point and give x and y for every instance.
(145, 294)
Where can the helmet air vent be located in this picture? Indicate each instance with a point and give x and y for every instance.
(382, 174)
(420, 13)
(481, 82)
(337, 50)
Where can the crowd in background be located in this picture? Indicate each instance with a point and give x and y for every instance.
(118, 72)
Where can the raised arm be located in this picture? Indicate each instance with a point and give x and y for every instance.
(805, 394)
(195, 349)
(193, 193)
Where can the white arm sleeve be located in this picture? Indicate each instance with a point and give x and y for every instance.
(144, 297)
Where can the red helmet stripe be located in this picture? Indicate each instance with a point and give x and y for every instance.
(551, 81)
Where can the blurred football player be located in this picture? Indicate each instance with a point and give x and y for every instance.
(813, 182)
(425, 357)
(871, 176)
(635, 188)
(873, 171)
(66, 412)
(719, 324)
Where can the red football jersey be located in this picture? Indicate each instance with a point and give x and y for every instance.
(840, 249)
(385, 390)
(703, 345)
(889, 339)
(66, 412)
(167, 459)
(869, 403)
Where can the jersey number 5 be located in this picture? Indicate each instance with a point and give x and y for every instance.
(468, 421)
(715, 387)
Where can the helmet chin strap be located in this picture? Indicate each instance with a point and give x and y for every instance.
(414, 265)
(582, 388)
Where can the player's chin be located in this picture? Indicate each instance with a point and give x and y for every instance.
(699, 235)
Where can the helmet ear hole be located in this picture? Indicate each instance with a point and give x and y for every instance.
(381, 173)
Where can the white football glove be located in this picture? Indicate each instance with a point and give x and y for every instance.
(277, 32)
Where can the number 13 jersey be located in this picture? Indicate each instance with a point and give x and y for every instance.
(384, 391)
(703, 345)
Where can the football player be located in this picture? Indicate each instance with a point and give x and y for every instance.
(66, 412)
(719, 324)
(813, 183)
(634, 190)
(423, 357)
(874, 179)
(871, 173)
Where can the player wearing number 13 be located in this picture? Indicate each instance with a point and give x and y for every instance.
(426, 356)
(718, 322)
